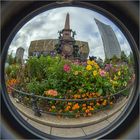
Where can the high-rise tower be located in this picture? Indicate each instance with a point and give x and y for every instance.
(110, 42)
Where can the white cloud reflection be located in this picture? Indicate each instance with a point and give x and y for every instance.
(47, 24)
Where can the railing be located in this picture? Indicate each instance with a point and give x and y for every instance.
(39, 104)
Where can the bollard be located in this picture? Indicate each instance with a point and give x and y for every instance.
(34, 105)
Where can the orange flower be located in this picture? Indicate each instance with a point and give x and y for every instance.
(91, 103)
(83, 95)
(111, 103)
(87, 111)
(76, 106)
(78, 96)
(91, 108)
(67, 108)
(75, 96)
(53, 107)
(69, 103)
(12, 83)
(84, 105)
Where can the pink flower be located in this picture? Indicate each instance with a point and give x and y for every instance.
(66, 68)
(102, 73)
(51, 92)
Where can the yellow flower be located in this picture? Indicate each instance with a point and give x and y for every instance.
(84, 108)
(89, 62)
(115, 77)
(94, 72)
(76, 73)
(119, 73)
(89, 67)
(89, 107)
(115, 83)
(104, 103)
(96, 66)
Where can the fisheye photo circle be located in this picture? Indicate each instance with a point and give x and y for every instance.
(70, 72)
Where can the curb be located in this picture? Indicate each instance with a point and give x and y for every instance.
(75, 123)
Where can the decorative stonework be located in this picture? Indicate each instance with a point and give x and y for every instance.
(65, 44)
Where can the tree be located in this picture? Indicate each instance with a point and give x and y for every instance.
(131, 59)
(10, 59)
(124, 57)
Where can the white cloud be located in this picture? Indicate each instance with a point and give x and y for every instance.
(47, 24)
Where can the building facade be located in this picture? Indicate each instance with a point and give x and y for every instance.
(110, 42)
(65, 45)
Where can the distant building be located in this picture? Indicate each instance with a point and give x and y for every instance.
(110, 42)
(19, 54)
(65, 44)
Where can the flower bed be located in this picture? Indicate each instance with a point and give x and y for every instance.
(59, 78)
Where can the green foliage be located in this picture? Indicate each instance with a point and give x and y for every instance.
(124, 57)
(10, 59)
(45, 73)
(36, 87)
(12, 70)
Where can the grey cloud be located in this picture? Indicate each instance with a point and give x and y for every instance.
(47, 24)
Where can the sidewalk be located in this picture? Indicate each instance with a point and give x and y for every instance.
(71, 127)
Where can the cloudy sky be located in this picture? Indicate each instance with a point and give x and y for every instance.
(47, 24)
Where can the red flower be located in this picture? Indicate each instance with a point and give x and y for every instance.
(66, 68)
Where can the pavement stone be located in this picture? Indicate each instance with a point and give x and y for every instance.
(24, 117)
(116, 115)
(67, 132)
(96, 127)
(41, 127)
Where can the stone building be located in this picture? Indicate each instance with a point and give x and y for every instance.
(65, 44)
(110, 42)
